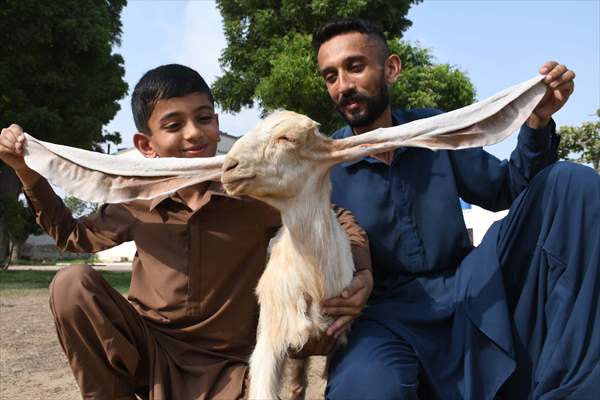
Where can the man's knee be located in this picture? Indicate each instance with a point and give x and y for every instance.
(572, 175)
(372, 380)
(69, 286)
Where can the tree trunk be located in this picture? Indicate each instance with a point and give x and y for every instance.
(9, 185)
(4, 264)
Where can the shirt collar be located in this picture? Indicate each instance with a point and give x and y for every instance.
(347, 132)
(214, 188)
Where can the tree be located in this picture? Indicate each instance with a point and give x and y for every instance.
(79, 208)
(19, 222)
(269, 59)
(581, 144)
(59, 78)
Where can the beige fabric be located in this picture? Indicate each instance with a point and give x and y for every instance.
(481, 124)
(106, 179)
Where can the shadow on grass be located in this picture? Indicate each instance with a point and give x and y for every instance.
(27, 280)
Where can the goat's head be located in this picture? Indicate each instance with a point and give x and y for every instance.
(275, 160)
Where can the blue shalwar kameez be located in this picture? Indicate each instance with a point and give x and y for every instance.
(516, 317)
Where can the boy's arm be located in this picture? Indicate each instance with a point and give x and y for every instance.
(350, 303)
(106, 228)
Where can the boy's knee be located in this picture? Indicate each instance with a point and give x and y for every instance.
(68, 288)
(371, 381)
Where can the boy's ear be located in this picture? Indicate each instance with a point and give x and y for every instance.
(142, 143)
(218, 128)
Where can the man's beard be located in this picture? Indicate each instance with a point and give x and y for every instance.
(374, 106)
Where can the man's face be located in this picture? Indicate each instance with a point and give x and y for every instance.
(353, 69)
(184, 127)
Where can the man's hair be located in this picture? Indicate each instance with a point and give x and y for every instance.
(164, 82)
(347, 25)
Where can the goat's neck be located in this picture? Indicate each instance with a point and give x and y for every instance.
(311, 225)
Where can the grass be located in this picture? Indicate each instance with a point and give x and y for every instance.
(30, 280)
(52, 262)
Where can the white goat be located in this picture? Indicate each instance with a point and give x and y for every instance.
(281, 163)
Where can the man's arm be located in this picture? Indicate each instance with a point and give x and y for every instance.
(110, 226)
(484, 180)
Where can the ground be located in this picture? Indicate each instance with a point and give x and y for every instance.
(32, 364)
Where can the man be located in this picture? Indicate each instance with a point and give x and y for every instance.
(516, 317)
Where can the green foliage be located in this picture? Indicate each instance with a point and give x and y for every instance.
(19, 219)
(30, 280)
(79, 208)
(58, 76)
(423, 83)
(581, 144)
(269, 58)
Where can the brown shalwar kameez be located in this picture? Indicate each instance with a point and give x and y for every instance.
(189, 324)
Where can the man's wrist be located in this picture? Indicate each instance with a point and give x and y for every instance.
(536, 122)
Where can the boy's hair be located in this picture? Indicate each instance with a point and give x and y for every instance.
(347, 25)
(164, 82)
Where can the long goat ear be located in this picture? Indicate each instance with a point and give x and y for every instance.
(103, 178)
(480, 124)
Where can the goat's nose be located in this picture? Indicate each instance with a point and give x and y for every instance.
(229, 164)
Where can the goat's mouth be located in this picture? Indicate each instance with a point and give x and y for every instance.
(234, 184)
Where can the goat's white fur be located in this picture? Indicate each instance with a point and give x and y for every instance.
(310, 259)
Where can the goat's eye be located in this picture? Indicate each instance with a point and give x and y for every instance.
(284, 138)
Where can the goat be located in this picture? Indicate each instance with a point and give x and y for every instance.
(280, 162)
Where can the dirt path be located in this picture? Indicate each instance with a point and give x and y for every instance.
(32, 364)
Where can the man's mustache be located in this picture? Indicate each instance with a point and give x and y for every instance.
(353, 97)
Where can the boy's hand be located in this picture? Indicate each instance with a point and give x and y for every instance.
(350, 303)
(12, 147)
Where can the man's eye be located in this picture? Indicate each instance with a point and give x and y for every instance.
(330, 78)
(356, 67)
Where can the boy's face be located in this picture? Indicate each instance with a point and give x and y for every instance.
(181, 127)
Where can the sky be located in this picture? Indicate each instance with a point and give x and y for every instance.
(498, 43)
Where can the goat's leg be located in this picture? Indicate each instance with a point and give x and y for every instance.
(295, 384)
(265, 368)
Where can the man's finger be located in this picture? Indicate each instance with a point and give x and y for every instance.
(547, 67)
(567, 76)
(353, 301)
(555, 73)
(335, 311)
(338, 326)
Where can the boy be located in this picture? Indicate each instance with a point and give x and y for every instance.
(189, 325)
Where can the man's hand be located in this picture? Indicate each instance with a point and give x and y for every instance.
(560, 85)
(347, 306)
(12, 147)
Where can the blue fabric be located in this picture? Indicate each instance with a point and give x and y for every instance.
(516, 315)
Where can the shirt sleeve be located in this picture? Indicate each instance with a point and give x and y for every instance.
(488, 182)
(106, 228)
(359, 242)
